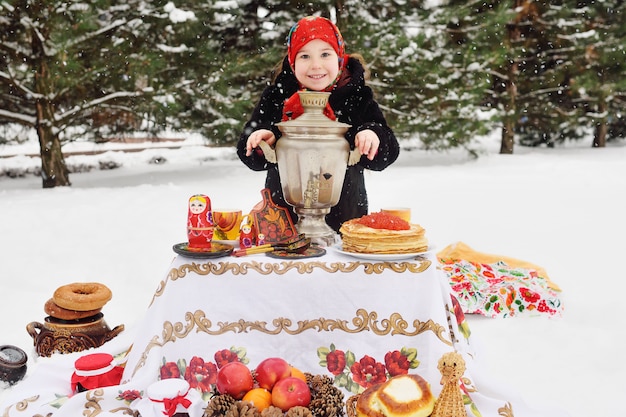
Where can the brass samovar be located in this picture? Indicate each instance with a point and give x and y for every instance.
(312, 157)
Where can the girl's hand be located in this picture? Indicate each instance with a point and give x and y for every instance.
(367, 142)
(256, 137)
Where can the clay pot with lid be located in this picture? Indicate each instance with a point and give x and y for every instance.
(12, 364)
(67, 336)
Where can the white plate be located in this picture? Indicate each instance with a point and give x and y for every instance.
(383, 256)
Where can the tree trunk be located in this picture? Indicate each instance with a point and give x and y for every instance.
(54, 173)
(510, 105)
(507, 139)
(510, 118)
(342, 14)
(599, 137)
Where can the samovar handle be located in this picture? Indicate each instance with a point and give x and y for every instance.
(354, 157)
(270, 154)
(268, 151)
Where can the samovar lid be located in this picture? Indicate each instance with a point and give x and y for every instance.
(313, 120)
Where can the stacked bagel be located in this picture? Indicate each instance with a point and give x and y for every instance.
(77, 301)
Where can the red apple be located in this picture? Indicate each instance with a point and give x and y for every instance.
(290, 392)
(271, 370)
(234, 379)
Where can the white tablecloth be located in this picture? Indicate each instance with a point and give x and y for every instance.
(258, 307)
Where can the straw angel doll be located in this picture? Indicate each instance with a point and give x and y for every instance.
(450, 401)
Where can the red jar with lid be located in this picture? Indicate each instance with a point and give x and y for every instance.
(95, 370)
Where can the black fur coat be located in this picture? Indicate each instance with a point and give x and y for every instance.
(353, 103)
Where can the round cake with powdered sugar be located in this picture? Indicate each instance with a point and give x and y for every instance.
(400, 396)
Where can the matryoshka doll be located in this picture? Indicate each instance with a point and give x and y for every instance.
(199, 222)
(247, 233)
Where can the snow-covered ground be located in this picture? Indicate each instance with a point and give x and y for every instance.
(560, 208)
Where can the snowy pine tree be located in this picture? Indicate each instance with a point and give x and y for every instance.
(598, 60)
(444, 72)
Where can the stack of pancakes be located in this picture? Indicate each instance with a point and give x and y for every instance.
(359, 238)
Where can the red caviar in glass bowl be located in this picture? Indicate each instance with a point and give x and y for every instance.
(382, 220)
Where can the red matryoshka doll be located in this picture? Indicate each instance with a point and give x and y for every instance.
(199, 222)
(247, 233)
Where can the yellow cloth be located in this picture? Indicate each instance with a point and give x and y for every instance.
(461, 250)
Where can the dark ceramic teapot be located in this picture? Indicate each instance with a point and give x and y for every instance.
(67, 336)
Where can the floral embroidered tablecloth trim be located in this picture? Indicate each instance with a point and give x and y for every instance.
(363, 320)
(415, 266)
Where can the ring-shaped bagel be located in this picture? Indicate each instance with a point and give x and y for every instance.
(53, 310)
(82, 296)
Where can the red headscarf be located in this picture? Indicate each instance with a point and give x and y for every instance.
(303, 32)
(315, 27)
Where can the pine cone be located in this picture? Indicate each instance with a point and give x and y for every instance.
(298, 412)
(326, 398)
(242, 409)
(272, 411)
(317, 382)
(219, 406)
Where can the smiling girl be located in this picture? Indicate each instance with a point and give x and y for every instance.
(316, 60)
